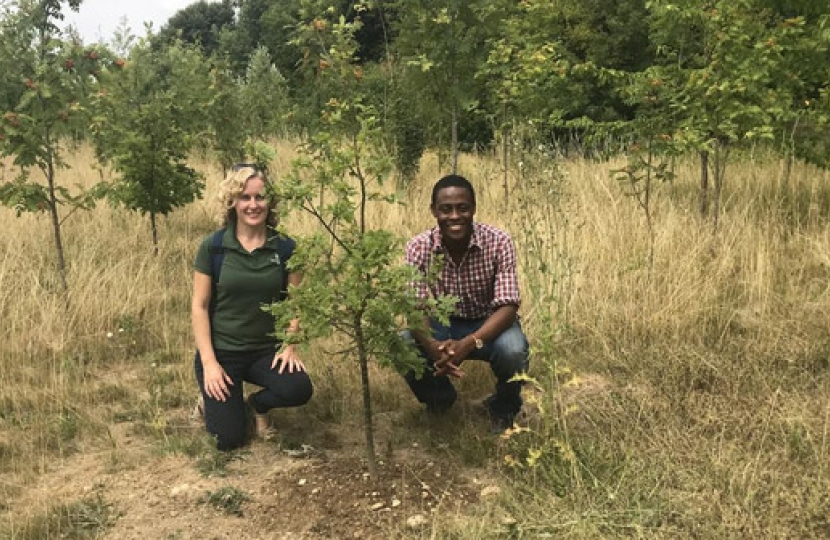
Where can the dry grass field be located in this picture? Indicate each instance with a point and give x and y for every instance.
(686, 398)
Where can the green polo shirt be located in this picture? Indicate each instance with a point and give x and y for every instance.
(246, 283)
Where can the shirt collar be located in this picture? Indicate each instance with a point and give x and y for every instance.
(232, 242)
(436, 243)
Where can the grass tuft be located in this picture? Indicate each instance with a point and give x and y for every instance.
(83, 519)
(227, 499)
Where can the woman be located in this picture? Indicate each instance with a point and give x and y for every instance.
(233, 334)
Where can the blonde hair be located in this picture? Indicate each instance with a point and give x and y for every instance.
(232, 187)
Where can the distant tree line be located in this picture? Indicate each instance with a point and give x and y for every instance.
(455, 73)
(655, 79)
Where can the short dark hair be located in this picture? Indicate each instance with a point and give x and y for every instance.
(452, 180)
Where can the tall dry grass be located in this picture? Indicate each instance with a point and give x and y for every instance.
(685, 399)
(699, 405)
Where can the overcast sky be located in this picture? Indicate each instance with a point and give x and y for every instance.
(98, 19)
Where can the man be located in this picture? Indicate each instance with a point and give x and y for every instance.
(479, 268)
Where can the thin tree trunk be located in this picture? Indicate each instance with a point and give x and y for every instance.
(360, 341)
(154, 229)
(56, 229)
(454, 84)
(454, 142)
(50, 173)
(442, 150)
(716, 195)
(647, 210)
(789, 155)
(368, 429)
(53, 212)
(704, 183)
(720, 170)
(505, 154)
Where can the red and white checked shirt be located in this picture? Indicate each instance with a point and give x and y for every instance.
(484, 280)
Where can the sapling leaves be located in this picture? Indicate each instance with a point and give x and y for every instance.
(355, 284)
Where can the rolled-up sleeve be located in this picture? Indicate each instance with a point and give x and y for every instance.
(506, 283)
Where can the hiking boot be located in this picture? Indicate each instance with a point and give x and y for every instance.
(481, 407)
(437, 410)
(500, 424)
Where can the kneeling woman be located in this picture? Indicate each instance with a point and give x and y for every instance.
(233, 334)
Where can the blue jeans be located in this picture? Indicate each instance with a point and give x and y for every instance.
(507, 356)
(226, 420)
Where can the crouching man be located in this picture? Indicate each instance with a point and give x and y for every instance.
(479, 268)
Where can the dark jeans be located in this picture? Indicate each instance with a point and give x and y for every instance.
(226, 420)
(507, 356)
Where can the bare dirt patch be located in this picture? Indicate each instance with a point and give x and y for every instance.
(276, 489)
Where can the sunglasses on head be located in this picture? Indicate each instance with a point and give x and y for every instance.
(239, 166)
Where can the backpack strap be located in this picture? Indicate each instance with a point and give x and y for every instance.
(217, 256)
(285, 248)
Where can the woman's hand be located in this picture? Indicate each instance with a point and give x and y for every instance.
(217, 382)
(287, 358)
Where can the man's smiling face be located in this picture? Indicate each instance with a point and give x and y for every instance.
(454, 210)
